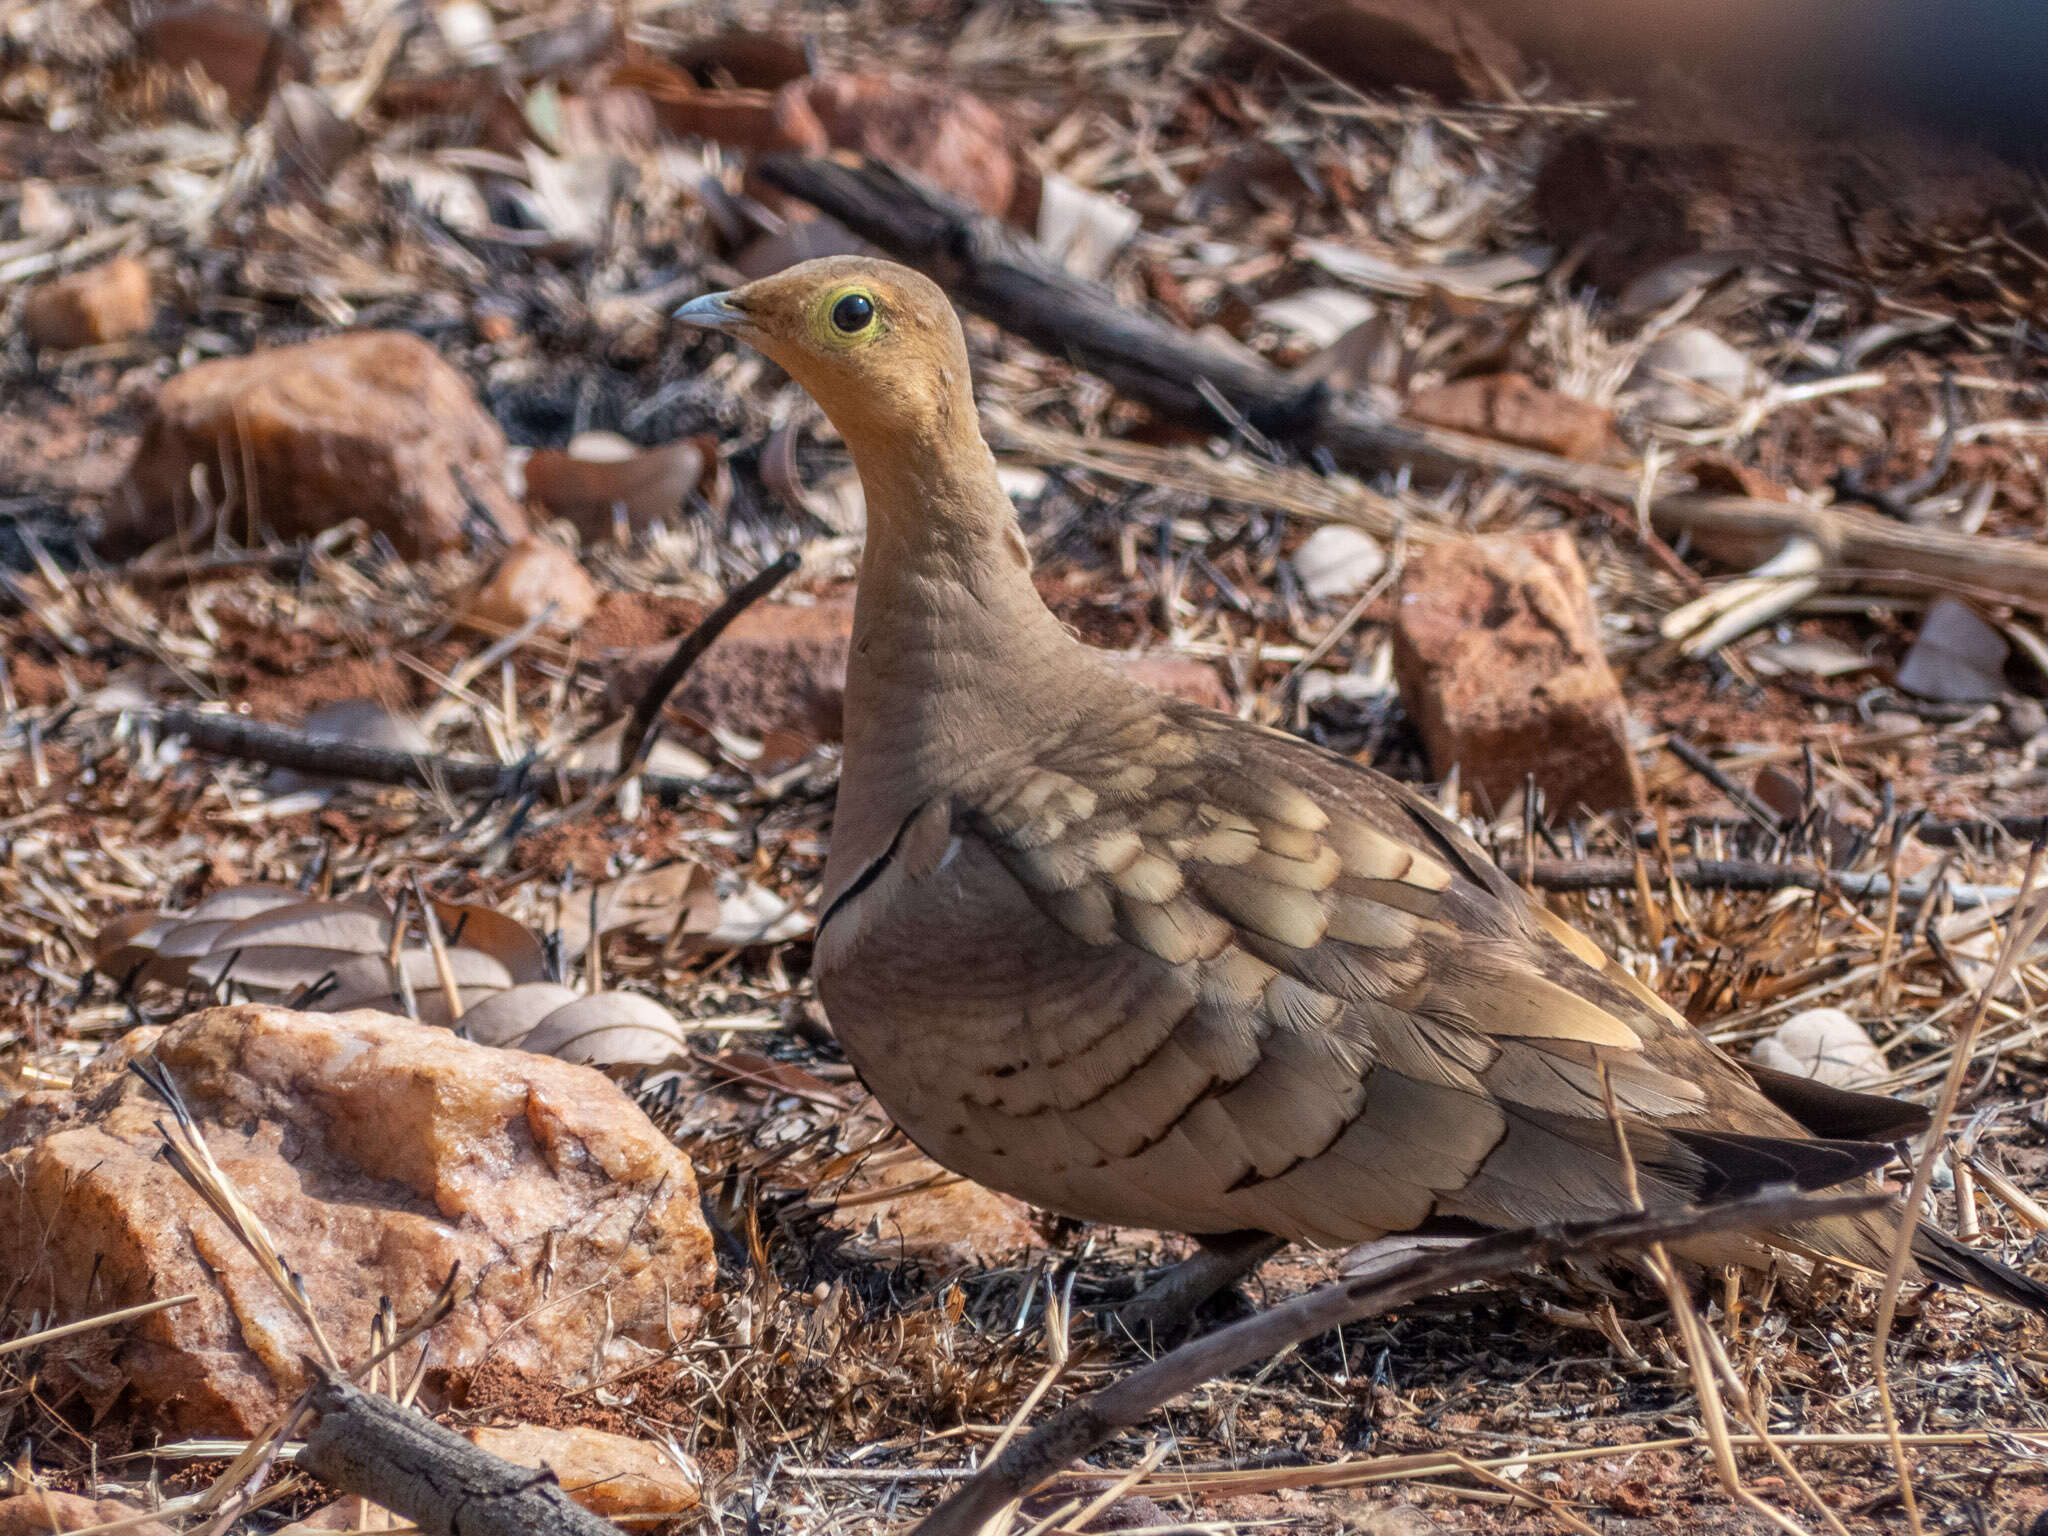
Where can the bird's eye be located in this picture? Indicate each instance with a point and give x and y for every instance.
(852, 313)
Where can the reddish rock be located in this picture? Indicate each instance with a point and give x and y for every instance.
(615, 1476)
(942, 1220)
(1512, 408)
(527, 578)
(1497, 652)
(937, 131)
(33, 1514)
(373, 424)
(780, 667)
(1438, 47)
(110, 302)
(379, 1154)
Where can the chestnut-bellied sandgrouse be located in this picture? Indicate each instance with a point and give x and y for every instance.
(1143, 963)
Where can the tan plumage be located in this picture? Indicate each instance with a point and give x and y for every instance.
(1147, 964)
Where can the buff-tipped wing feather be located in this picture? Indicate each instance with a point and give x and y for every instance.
(1206, 976)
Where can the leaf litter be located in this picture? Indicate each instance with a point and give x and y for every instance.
(511, 182)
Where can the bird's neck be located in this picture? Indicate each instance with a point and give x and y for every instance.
(956, 660)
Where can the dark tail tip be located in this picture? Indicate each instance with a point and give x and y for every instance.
(1946, 1259)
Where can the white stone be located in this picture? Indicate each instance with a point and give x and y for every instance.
(1826, 1045)
(1338, 561)
(1689, 375)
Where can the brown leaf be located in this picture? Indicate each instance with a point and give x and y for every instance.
(646, 902)
(508, 941)
(506, 1018)
(600, 479)
(609, 1029)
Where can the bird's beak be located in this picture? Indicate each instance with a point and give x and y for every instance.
(714, 312)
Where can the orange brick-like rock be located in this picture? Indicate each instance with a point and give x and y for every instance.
(1497, 653)
(110, 302)
(1512, 408)
(372, 424)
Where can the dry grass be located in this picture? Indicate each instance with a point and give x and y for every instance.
(836, 1390)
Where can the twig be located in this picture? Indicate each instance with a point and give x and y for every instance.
(638, 739)
(367, 1445)
(1743, 531)
(280, 746)
(1852, 481)
(1702, 1351)
(1707, 769)
(1081, 1428)
(87, 1324)
(1608, 873)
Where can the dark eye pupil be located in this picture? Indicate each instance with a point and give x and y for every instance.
(853, 312)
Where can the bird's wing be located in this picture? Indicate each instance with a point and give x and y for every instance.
(1186, 972)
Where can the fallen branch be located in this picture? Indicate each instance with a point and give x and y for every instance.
(1007, 279)
(365, 1444)
(281, 746)
(1762, 875)
(1078, 1430)
(1743, 531)
(337, 757)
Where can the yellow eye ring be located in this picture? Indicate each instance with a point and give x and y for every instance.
(847, 317)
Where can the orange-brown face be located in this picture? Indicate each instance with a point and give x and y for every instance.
(876, 344)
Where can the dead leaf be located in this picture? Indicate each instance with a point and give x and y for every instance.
(1082, 230)
(368, 980)
(753, 914)
(466, 925)
(646, 902)
(601, 480)
(1958, 656)
(506, 1018)
(609, 1029)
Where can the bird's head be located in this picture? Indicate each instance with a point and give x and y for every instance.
(876, 344)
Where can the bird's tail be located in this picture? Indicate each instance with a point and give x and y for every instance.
(1864, 1241)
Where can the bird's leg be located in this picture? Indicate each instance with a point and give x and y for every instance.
(1219, 1263)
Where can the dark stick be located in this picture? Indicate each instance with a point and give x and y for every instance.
(1078, 1430)
(281, 746)
(639, 736)
(367, 1445)
(1616, 874)
(1613, 874)
(1009, 280)
(1705, 767)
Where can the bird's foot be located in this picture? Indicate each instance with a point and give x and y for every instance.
(1168, 1303)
